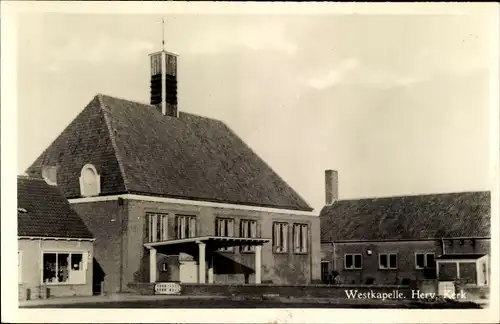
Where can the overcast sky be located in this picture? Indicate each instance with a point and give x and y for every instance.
(397, 104)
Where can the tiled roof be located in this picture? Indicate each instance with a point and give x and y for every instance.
(44, 212)
(136, 149)
(464, 214)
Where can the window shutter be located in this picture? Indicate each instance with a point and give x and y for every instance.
(275, 235)
(154, 230)
(159, 227)
(192, 227)
(165, 227)
(305, 236)
(185, 226)
(230, 224)
(146, 229)
(176, 225)
(294, 238)
(253, 229)
(285, 237)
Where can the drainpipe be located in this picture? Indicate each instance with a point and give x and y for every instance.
(334, 261)
(120, 203)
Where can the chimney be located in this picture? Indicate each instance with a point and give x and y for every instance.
(164, 82)
(331, 186)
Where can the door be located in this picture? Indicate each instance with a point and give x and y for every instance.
(324, 271)
(169, 269)
(188, 271)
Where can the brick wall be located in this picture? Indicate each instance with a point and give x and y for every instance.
(113, 244)
(406, 250)
(287, 268)
(104, 220)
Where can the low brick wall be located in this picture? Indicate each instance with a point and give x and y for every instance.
(142, 288)
(332, 291)
(473, 292)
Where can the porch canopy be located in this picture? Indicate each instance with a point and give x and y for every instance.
(471, 268)
(192, 245)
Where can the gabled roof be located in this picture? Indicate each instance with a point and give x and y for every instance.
(136, 149)
(44, 212)
(464, 214)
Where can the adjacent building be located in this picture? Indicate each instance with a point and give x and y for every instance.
(55, 248)
(175, 197)
(397, 240)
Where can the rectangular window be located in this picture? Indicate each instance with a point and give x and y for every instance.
(185, 226)
(224, 227)
(157, 227)
(64, 267)
(387, 261)
(280, 237)
(248, 228)
(300, 238)
(424, 260)
(352, 261)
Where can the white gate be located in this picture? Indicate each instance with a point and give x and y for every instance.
(167, 288)
(446, 288)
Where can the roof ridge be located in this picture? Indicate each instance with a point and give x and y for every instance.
(118, 157)
(101, 95)
(414, 195)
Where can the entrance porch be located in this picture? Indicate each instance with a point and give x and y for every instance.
(202, 249)
(471, 269)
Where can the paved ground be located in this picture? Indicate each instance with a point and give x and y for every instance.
(222, 302)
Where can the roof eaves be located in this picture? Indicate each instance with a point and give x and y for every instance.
(113, 140)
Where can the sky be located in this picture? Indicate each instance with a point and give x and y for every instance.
(397, 104)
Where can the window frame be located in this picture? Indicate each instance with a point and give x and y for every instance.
(388, 255)
(303, 240)
(426, 265)
(161, 233)
(227, 228)
(353, 255)
(85, 263)
(280, 249)
(94, 188)
(244, 234)
(190, 219)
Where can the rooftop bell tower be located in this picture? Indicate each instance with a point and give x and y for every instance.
(164, 80)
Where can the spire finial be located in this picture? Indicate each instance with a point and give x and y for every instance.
(163, 33)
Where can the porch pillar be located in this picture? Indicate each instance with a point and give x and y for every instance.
(202, 263)
(258, 263)
(152, 265)
(211, 269)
